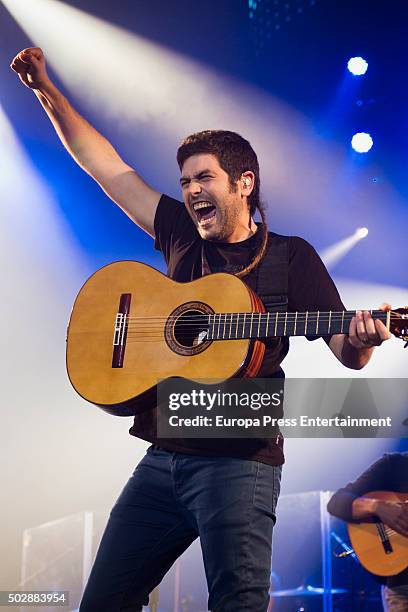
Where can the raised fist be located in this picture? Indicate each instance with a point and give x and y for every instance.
(30, 67)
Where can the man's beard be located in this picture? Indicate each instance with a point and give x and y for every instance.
(225, 223)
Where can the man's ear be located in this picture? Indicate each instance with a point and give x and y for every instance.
(247, 183)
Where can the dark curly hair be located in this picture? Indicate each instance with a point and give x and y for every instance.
(235, 156)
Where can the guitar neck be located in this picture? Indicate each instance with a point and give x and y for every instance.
(252, 325)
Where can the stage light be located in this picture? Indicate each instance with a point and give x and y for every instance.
(362, 232)
(357, 66)
(361, 142)
(333, 254)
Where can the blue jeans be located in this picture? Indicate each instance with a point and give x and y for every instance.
(170, 500)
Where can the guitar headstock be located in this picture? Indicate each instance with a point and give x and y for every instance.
(399, 323)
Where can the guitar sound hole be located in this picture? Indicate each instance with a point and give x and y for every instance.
(190, 328)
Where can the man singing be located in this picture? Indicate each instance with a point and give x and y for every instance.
(222, 491)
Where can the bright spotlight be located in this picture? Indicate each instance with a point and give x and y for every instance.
(361, 142)
(333, 254)
(362, 232)
(357, 66)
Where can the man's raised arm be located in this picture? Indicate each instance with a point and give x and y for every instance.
(92, 151)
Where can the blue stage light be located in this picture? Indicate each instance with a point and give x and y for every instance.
(361, 142)
(357, 66)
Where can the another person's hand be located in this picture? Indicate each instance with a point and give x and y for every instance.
(393, 514)
(30, 67)
(366, 332)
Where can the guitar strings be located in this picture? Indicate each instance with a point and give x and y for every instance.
(189, 331)
(234, 324)
(225, 320)
(291, 316)
(159, 334)
(320, 314)
(390, 532)
(136, 328)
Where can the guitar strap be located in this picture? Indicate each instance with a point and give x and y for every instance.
(271, 285)
(271, 273)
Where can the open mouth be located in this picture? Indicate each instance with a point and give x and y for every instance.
(205, 212)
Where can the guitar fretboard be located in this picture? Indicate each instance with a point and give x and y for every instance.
(230, 326)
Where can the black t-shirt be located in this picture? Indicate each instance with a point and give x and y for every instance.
(309, 288)
(390, 473)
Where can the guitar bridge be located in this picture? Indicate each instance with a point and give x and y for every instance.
(120, 331)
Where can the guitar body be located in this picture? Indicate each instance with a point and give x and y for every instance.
(386, 558)
(117, 367)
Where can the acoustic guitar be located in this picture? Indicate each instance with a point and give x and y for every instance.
(380, 549)
(132, 326)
